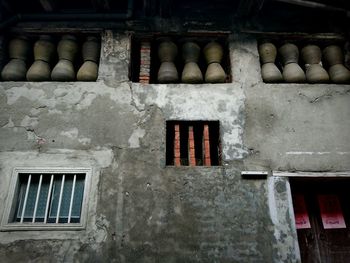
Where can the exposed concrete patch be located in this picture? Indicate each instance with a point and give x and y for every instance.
(134, 140)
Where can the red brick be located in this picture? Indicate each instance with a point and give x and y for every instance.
(192, 157)
(206, 146)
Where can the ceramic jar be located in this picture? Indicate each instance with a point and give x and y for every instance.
(44, 50)
(67, 50)
(315, 73)
(292, 72)
(337, 71)
(213, 53)
(91, 54)
(167, 52)
(16, 69)
(269, 71)
(191, 72)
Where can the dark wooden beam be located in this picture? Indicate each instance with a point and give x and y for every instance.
(101, 4)
(313, 4)
(249, 7)
(48, 5)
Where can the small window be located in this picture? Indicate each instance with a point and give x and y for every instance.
(193, 143)
(47, 198)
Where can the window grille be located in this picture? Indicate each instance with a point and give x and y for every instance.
(193, 143)
(49, 198)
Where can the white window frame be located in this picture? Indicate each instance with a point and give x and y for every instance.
(13, 194)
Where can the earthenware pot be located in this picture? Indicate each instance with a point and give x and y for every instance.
(15, 70)
(167, 51)
(63, 71)
(190, 52)
(292, 72)
(91, 49)
(268, 53)
(215, 74)
(315, 73)
(67, 48)
(191, 73)
(88, 71)
(270, 73)
(167, 73)
(213, 52)
(289, 53)
(339, 74)
(44, 48)
(19, 48)
(333, 55)
(40, 70)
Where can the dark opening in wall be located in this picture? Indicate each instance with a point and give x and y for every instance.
(193, 143)
(304, 60)
(191, 59)
(50, 57)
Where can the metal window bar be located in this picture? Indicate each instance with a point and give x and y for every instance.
(26, 197)
(60, 200)
(37, 198)
(48, 199)
(71, 199)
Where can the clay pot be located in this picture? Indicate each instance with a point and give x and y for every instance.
(167, 73)
(270, 73)
(88, 71)
(213, 52)
(91, 49)
(44, 48)
(19, 48)
(315, 73)
(339, 74)
(190, 52)
(292, 72)
(191, 72)
(15, 70)
(333, 55)
(67, 49)
(91, 54)
(63, 71)
(40, 70)
(167, 51)
(311, 54)
(215, 74)
(268, 53)
(289, 53)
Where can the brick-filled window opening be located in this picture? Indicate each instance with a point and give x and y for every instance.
(180, 59)
(193, 143)
(48, 198)
(50, 57)
(298, 60)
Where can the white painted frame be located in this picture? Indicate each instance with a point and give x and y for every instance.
(13, 189)
(311, 174)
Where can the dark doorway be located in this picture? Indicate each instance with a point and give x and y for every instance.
(323, 241)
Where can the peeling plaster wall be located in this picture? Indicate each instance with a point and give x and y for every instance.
(142, 211)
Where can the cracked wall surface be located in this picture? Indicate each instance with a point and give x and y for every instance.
(143, 211)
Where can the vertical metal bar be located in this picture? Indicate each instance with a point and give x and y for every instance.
(72, 198)
(37, 198)
(60, 200)
(26, 197)
(48, 199)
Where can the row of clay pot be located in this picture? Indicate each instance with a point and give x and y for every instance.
(191, 73)
(44, 52)
(311, 55)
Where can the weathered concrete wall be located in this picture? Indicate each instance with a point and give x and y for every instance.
(139, 209)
